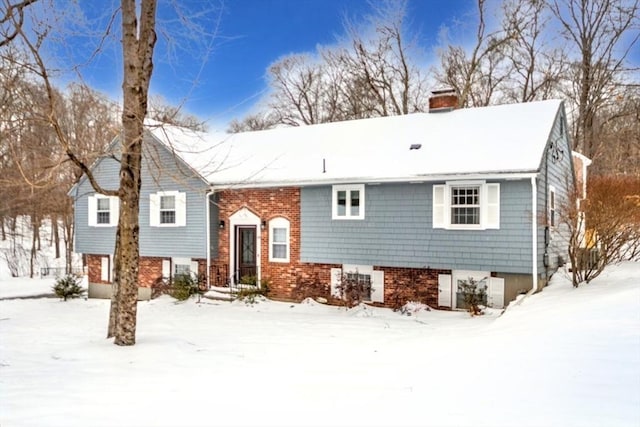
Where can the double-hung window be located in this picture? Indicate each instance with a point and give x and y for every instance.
(466, 205)
(279, 231)
(103, 211)
(168, 209)
(348, 202)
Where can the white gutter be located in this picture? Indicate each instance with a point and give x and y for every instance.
(372, 180)
(208, 238)
(534, 234)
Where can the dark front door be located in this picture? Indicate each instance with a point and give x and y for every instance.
(245, 252)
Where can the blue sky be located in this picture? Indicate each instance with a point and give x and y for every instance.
(251, 35)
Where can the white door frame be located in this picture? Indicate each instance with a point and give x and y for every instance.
(243, 217)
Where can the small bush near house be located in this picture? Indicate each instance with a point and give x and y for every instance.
(473, 296)
(252, 289)
(68, 287)
(354, 289)
(186, 285)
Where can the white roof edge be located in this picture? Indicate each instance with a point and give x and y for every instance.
(369, 180)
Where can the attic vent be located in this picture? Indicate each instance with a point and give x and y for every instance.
(415, 146)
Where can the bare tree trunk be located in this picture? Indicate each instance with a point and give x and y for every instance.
(34, 240)
(138, 42)
(56, 234)
(68, 243)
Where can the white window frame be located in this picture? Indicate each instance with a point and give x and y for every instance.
(92, 211)
(552, 214)
(180, 206)
(489, 194)
(377, 280)
(348, 189)
(279, 223)
(162, 210)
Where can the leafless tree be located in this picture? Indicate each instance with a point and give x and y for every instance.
(604, 229)
(477, 74)
(538, 65)
(603, 33)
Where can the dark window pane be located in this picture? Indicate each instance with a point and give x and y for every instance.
(355, 203)
(342, 203)
(167, 217)
(103, 217)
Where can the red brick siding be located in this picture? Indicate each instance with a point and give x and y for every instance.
(94, 267)
(410, 284)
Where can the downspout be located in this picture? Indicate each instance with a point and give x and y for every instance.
(534, 235)
(208, 238)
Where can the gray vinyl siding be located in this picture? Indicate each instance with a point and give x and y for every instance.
(172, 175)
(397, 231)
(560, 175)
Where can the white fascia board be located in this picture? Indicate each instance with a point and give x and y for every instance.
(372, 180)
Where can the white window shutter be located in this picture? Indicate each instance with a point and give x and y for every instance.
(439, 206)
(495, 297)
(166, 268)
(154, 210)
(492, 206)
(104, 269)
(114, 210)
(194, 268)
(377, 291)
(92, 211)
(444, 290)
(181, 209)
(336, 278)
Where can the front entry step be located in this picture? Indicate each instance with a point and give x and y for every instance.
(220, 293)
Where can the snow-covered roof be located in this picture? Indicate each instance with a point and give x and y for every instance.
(503, 139)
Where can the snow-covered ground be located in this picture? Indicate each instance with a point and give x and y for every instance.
(563, 357)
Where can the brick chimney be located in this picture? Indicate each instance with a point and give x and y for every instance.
(443, 100)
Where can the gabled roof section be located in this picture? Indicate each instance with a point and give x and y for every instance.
(495, 140)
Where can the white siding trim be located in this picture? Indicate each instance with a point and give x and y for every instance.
(181, 209)
(439, 206)
(444, 290)
(114, 210)
(336, 277)
(166, 269)
(377, 286)
(104, 268)
(154, 210)
(92, 208)
(492, 206)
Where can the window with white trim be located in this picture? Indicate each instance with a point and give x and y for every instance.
(348, 202)
(466, 205)
(168, 209)
(362, 278)
(279, 233)
(552, 206)
(103, 210)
